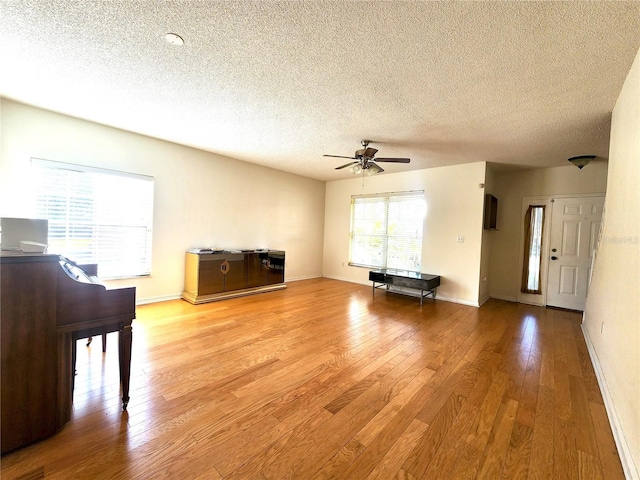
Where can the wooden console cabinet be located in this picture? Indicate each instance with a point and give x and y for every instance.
(211, 276)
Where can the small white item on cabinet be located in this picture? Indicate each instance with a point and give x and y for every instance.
(32, 247)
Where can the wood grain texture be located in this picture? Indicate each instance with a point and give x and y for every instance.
(322, 381)
(29, 386)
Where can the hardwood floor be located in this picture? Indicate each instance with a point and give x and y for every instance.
(322, 381)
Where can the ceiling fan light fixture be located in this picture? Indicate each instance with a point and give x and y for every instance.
(373, 169)
(174, 39)
(581, 160)
(356, 169)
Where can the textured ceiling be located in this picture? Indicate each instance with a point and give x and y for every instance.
(281, 83)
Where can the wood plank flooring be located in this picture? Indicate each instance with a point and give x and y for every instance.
(322, 381)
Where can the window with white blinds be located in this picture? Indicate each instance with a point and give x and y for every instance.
(97, 216)
(386, 230)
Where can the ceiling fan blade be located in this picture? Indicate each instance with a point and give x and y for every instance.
(346, 164)
(339, 156)
(394, 160)
(369, 152)
(366, 152)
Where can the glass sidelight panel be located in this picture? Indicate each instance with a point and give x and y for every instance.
(533, 222)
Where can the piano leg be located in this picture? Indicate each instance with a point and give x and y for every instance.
(65, 377)
(125, 362)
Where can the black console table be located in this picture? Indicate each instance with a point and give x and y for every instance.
(388, 277)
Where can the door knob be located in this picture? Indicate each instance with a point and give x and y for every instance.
(554, 258)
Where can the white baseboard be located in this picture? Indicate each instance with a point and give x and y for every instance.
(145, 301)
(304, 277)
(506, 298)
(177, 296)
(460, 301)
(439, 296)
(484, 300)
(628, 465)
(343, 279)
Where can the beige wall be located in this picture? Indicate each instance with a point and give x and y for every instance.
(454, 201)
(612, 314)
(487, 240)
(201, 199)
(510, 188)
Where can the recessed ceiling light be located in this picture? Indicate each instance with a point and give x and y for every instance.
(174, 39)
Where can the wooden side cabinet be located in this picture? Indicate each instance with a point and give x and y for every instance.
(211, 276)
(29, 352)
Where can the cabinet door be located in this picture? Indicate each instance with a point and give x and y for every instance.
(236, 274)
(210, 278)
(29, 352)
(256, 271)
(275, 273)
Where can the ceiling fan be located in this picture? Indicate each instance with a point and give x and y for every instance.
(364, 160)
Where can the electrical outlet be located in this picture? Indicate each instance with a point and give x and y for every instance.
(460, 239)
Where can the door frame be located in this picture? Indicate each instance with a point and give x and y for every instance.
(541, 299)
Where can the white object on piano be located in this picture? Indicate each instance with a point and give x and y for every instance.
(32, 247)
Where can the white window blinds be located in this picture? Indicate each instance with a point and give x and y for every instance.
(386, 230)
(97, 216)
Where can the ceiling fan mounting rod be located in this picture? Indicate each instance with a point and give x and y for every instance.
(365, 143)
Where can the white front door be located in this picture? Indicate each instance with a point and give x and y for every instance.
(575, 223)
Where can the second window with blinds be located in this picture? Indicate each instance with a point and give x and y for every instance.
(386, 230)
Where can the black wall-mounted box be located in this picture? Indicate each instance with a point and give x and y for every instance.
(490, 212)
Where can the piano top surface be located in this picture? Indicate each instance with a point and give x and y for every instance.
(16, 256)
(80, 297)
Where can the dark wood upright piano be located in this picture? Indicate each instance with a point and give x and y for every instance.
(47, 304)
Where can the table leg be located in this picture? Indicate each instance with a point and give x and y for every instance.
(125, 362)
